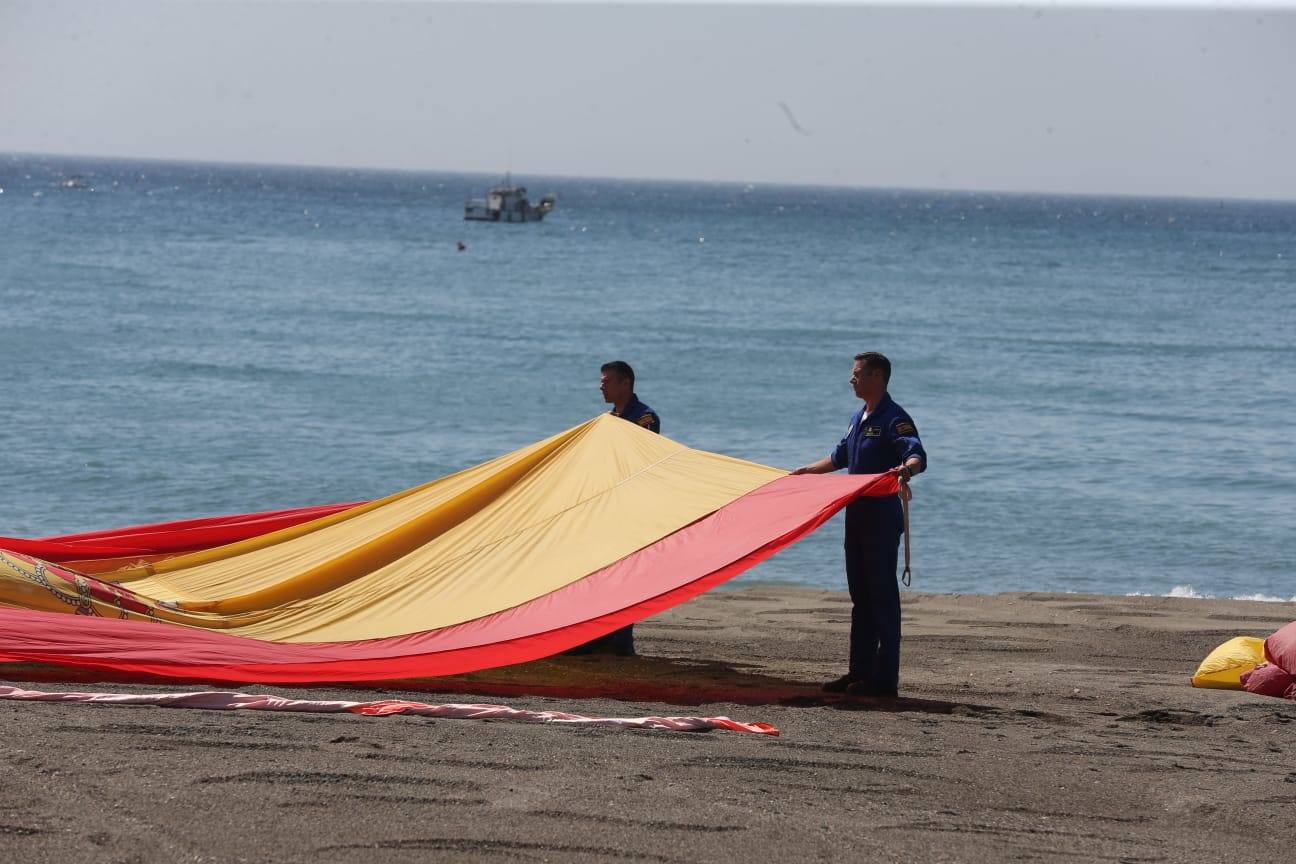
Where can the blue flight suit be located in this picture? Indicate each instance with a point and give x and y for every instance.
(637, 412)
(874, 444)
(622, 641)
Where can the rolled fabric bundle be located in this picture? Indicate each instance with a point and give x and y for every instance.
(1224, 667)
(1269, 680)
(1276, 677)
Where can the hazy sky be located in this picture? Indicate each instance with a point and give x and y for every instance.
(1164, 101)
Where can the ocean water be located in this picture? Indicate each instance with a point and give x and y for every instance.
(1105, 386)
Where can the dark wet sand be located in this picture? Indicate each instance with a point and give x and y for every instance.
(1034, 727)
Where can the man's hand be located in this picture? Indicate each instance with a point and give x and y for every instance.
(823, 466)
(908, 469)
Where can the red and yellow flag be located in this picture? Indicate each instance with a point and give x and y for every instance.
(517, 558)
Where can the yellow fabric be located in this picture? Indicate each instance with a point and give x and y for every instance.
(1223, 668)
(471, 544)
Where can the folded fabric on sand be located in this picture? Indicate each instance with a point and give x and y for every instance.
(1277, 676)
(518, 558)
(1266, 667)
(1224, 667)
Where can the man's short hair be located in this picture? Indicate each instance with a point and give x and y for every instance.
(873, 360)
(621, 369)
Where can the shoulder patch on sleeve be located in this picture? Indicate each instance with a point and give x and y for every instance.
(647, 420)
(904, 427)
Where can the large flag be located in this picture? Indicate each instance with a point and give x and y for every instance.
(515, 559)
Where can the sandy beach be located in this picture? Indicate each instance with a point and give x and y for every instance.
(1032, 727)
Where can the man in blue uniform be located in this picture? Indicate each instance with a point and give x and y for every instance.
(616, 381)
(881, 437)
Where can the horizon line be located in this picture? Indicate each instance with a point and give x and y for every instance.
(1021, 193)
(1032, 5)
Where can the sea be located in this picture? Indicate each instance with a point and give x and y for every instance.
(1105, 386)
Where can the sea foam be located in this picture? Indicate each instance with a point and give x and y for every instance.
(1191, 593)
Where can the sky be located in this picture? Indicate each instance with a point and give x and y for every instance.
(1193, 100)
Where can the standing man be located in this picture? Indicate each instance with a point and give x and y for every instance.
(881, 437)
(616, 381)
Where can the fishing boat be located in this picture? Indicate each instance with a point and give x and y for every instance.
(507, 203)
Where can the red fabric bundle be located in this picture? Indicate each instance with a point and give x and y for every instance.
(1278, 676)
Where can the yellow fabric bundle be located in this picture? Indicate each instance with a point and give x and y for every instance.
(1224, 667)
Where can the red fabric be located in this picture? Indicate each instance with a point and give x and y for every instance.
(165, 538)
(1269, 680)
(1280, 648)
(664, 574)
(1278, 676)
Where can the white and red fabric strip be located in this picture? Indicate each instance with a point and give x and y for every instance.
(216, 700)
